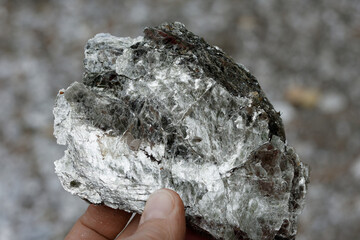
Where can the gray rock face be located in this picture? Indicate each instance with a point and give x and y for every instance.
(167, 110)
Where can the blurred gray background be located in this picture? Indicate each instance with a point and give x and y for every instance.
(305, 55)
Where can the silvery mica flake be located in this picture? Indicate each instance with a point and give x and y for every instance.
(168, 110)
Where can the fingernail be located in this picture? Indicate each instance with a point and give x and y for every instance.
(159, 206)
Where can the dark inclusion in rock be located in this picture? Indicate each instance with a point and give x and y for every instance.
(169, 110)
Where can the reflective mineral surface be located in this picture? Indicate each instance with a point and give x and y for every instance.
(167, 110)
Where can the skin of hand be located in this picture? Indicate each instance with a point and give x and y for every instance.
(163, 218)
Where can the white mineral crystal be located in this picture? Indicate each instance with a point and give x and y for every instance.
(170, 111)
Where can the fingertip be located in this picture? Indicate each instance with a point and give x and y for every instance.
(163, 204)
(163, 217)
(176, 197)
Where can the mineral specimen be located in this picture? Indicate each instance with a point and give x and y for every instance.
(168, 110)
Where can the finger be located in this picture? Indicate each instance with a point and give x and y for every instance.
(131, 228)
(99, 223)
(163, 218)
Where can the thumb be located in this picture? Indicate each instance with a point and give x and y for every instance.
(163, 217)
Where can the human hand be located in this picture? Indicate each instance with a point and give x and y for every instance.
(163, 218)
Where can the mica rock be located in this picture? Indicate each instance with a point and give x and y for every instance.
(168, 110)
